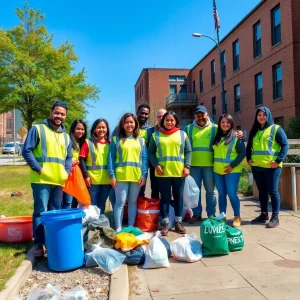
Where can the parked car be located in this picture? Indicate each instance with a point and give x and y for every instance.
(11, 148)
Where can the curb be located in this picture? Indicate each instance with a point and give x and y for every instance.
(119, 285)
(14, 284)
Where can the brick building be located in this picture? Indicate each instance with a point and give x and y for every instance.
(260, 66)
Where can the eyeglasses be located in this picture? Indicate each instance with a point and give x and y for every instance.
(63, 104)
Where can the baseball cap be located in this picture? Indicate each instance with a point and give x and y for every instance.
(200, 108)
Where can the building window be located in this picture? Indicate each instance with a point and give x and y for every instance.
(183, 89)
(279, 121)
(277, 81)
(177, 78)
(258, 89)
(256, 40)
(236, 55)
(173, 89)
(276, 25)
(194, 87)
(213, 108)
(223, 63)
(213, 72)
(201, 80)
(237, 98)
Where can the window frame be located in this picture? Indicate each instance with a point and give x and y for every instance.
(276, 81)
(255, 40)
(257, 91)
(213, 72)
(274, 27)
(236, 57)
(237, 98)
(201, 81)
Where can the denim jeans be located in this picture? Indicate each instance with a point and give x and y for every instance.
(126, 191)
(205, 174)
(227, 185)
(154, 183)
(167, 187)
(99, 194)
(45, 197)
(68, 201)
(267, 183)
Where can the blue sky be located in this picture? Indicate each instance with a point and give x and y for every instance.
(116, 39)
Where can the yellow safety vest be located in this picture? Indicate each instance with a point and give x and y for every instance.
(170, 152)
(201, 142)
(96, 163)
(264, 147)
(224, 155)
(144, 134)
(50, 153)
(128, 163)
(75, 153)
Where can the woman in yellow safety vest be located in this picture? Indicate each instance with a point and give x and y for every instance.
(77, 135)
(93, 159)
(266, 149)
(128, 168)
(229, 151)
(170, 153)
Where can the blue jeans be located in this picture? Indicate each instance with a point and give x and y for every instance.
(99, 194)
(167, 187)
(267, 183)
(205, 174)
(68, 201)
(227, 185)
(45, 197)
(126, 191)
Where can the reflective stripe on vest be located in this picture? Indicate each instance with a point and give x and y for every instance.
(160, 157)
(93, 156)
(121, 163)
(44, 157)
(227, 159)
(212, 137)
(270, 142)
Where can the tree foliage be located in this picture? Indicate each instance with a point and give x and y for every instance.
(33, 73)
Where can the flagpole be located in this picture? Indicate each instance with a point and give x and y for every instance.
(224, 106)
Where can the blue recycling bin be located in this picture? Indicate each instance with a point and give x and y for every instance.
(64, 242)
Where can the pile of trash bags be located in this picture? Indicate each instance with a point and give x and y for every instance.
(109, 250)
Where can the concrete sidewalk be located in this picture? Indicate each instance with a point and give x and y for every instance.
(267, 268)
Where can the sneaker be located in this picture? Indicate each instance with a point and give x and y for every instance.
(179, 228)
(195, 219)
(39, 251)
(164, 229)
(274, 222)
(262, 218)
(237, 221)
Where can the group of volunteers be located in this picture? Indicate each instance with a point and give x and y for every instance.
(116, 166)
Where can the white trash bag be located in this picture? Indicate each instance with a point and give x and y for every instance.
(49, 292)
(187, 248)
(92, 213)
(156, 255)
(191, 192)
(78, 293)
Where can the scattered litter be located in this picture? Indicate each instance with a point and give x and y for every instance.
(16, 194)
(50, 292)
(78, 293)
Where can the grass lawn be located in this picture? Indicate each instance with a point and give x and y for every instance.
(14, 179)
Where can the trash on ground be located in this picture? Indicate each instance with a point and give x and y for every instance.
(191, 192)
(235, 239)
(78, 293)
(187, 248)
(49, 292)
(127, 241)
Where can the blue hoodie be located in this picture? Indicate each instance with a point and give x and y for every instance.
(32, 140)
(280, 137)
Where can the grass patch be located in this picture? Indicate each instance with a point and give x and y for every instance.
(14, 179)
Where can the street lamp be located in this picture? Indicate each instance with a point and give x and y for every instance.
(198, 35)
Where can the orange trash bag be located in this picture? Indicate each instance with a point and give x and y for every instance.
(76, 187)
(147, 214)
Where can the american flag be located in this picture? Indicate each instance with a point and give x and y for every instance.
(216, 16)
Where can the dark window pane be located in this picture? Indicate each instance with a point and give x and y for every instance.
(276, 25)
(201, 80)
(213, 72)
(258, 89)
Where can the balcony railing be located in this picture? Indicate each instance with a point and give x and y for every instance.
(181, 99)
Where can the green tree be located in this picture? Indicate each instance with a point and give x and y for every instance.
(33, 73)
